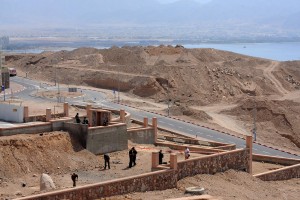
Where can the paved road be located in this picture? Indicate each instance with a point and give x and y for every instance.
(98, 99)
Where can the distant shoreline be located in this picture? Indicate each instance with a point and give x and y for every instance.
(280, 51)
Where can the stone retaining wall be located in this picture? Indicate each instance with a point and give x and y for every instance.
(159, 180)
(280, 174)
(211, 164)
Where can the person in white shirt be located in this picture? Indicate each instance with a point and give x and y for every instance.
(186, 153)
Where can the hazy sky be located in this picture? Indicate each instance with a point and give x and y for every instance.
(226, 17)
(171, 1)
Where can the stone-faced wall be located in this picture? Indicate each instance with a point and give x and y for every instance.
(141, 135)
(105, 139)
(281, 174)
(211, 164)
(160, 180)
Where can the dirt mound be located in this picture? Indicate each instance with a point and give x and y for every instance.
(275, 120)
(44, 153)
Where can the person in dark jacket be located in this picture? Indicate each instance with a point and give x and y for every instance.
(74, 178)
(77, 119)
(106, 161)
(160, 157)
(132, 157)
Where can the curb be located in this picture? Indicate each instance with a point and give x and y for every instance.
(240, 137)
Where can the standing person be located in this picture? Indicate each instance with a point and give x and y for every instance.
(160, 157)
(77, 118)
(74, 178)
(106, 161)
(186, 153)
(134, 156)
(130, 157)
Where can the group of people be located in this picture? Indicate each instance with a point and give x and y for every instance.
(132, 161)
(77, 119)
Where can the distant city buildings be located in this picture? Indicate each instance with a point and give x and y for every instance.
(4, 42)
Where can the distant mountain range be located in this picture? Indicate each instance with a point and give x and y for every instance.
(262, 15)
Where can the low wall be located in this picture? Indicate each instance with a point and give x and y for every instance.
(11, 113)
(211, 164)
(275, 160)
(105, 139)
(280, 174)
(159, 180)
(191, 140)
(29, 129)
(203, 150)
(141, 135)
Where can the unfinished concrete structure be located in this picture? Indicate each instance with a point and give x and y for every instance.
(215, 157)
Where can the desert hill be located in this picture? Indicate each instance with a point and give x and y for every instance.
(193, 79)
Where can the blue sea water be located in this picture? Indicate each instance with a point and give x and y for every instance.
(275, 51)
(284, 51)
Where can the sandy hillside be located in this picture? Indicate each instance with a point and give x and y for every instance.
(25, 157)
(208, 86)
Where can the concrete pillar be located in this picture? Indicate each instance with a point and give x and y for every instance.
(173, 161)
(26, 112)
(89, 113)
(154, 124)
(155, 159)
(249, 144)
(145, 122)
(122, 116)
(66, 109)
(48, 114)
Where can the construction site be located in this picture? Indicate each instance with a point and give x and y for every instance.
(43, 137)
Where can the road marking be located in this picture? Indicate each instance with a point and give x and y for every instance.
(190, 130)
(255, 149)
(162, 122)
(220, 139)
(180, 127)
(266, 152)
(199, 133)
(209, 136)
(171, 124)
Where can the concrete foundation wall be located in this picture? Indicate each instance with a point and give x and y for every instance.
(39, 128)
(275, 160)
(79, 131)
(161, 180)
(107, 139)
(280, 174)
(11, 113)
(141, 135)
(211, 164)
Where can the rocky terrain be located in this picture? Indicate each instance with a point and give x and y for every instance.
(208, 86)
(219, 89)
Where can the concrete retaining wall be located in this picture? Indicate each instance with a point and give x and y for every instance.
(211, 164)
(280, 174)
(275, 160)
(107, 139)
(79, 131)
(141, 135)
(160, 180)
(30, 129)
(11, 113)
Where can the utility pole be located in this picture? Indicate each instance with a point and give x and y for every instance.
(254, 119)
(118, 86)
(169, 99)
